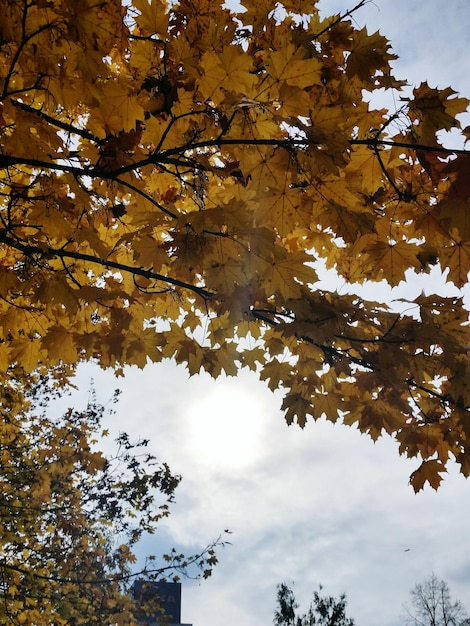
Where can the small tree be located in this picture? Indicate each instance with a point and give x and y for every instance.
(70, 516)
(323, 611)
(431, 605)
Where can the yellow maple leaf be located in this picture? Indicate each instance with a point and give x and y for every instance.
(429, 471)
(297, 408)
(225, 72)
(153, 17)
(278, 275)
(60, 345)
(370, 55)
(391, 260)
(288, 66)
(276, 372)
(118, 109)
(329, 405)
(457, 258)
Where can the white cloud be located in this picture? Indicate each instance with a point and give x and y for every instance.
(323, 505)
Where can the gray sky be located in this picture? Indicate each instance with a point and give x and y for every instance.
(324, 505)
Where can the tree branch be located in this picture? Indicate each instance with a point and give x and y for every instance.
(374, 143)
(61, 253)
(341, 17)
(166, 156)
(331, 352)
(69, 128)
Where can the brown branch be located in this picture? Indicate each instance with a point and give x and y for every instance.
(174, 565)
(10, 161)
(390, 180)
(166, 156)
(116, 578)
(445, 399)
(287, 144)
(374, 143)
(330, 351)
(69, 128)
(146, 197)
(341, 17)
(61, 253)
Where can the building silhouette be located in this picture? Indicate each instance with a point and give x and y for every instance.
(166, 595)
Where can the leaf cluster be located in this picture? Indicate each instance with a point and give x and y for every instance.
(170, 174)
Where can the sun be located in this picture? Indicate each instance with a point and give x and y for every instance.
(226, 425)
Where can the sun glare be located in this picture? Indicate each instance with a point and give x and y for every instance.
(226, 426)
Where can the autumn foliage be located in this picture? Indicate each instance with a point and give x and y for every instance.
(173, 173)
(70, 517)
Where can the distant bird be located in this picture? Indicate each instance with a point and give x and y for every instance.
(407, 550)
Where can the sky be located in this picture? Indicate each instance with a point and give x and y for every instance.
(320, 506)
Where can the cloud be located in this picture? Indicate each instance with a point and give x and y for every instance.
(323, 505)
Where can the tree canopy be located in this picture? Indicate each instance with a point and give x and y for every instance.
(71, 516)
(172, 172)
(323, 610)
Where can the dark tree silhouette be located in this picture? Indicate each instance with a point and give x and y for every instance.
(431, 605)
(323, 610)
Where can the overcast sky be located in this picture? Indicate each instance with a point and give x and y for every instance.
(324, 505)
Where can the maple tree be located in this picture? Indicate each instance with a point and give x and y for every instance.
(172, 171)
(70, 518)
